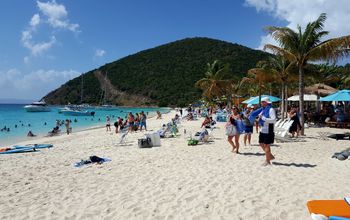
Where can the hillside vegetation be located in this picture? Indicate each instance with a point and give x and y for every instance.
(163, 76)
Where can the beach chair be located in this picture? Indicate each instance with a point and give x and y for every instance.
(122, 139)
(281, 133)
(339, 208)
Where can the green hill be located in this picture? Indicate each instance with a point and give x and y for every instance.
(163, 76)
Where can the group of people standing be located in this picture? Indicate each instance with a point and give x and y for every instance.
(243, 123)
(131, 123)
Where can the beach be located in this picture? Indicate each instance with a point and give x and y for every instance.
(173, 181)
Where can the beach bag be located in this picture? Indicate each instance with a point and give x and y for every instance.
(192, 142)
(145, 143)
(230, 130)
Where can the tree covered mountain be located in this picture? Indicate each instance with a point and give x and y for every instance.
(163, 76)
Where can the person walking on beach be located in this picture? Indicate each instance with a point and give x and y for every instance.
(116, 125)
(108, 123)
(67, 124)
(231, 130)
(267, 118)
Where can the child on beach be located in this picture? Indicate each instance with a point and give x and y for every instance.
(108, 123)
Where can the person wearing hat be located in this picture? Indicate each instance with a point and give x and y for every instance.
(267, 118)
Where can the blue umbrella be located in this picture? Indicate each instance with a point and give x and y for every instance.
(255, 100)
(342, 95)
(248, 100)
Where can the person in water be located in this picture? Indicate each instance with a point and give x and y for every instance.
(267, 118)
(30, 134)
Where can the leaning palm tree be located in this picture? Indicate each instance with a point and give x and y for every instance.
(216, 80)
(301, 47)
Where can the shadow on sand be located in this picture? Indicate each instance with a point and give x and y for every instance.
(253, 154)
(304, 165)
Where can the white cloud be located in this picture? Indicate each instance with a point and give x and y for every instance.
(35, 20)
(100, 53)
(37, 48)
(33, 85)
(302, 12)
(57, 15)
(53, 14)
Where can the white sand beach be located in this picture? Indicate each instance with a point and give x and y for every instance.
(174, 181)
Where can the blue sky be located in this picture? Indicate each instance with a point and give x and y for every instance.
(45, 43)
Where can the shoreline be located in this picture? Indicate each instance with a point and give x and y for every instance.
(18, 140)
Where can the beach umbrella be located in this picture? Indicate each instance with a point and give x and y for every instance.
(342, 95)
(248, 100)
(310, 98)
(255, 100)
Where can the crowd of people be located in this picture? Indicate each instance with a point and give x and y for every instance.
(131, 123)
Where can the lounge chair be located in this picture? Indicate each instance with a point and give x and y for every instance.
(329, 208)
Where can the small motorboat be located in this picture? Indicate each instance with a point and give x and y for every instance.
(40, 106)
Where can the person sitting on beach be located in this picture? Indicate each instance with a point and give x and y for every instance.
(190, 116)
(159, 115)
(206, 122)
(54, 131)
(30, 134)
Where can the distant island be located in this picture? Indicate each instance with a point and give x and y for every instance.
(161, 76)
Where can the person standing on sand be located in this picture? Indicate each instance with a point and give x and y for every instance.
(231, 130)
(108, 123)
(248, 126)
(67, 126)
(143, 118)
(267, 118)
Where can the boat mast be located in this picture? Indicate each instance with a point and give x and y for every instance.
(82, 89)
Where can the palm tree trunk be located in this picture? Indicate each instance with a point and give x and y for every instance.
(283, 100)
(259, 94)
(286, 94)
(301, 97)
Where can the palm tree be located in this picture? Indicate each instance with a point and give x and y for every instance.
(301, 47)
(216, 80)
(281, 69)
(259, 76)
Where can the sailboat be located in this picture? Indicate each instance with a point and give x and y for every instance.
(104, 105)
(77, 110)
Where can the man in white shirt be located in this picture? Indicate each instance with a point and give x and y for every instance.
(267, 118)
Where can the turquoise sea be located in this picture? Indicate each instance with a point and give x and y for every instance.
(19, 121)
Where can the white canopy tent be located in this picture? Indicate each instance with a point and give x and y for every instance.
(308, 98)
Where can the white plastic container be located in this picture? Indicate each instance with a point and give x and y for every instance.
(155, 138)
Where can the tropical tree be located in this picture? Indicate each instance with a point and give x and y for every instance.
(301, 47)
(259, 76)
(216, 80)
(283, 71)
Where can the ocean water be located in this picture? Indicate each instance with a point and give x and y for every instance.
(14, 114)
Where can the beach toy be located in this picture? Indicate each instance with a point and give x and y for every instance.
(329, 207)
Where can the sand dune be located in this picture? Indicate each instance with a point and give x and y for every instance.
(174, 181)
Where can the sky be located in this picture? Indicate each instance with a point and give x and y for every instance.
(44, 43)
